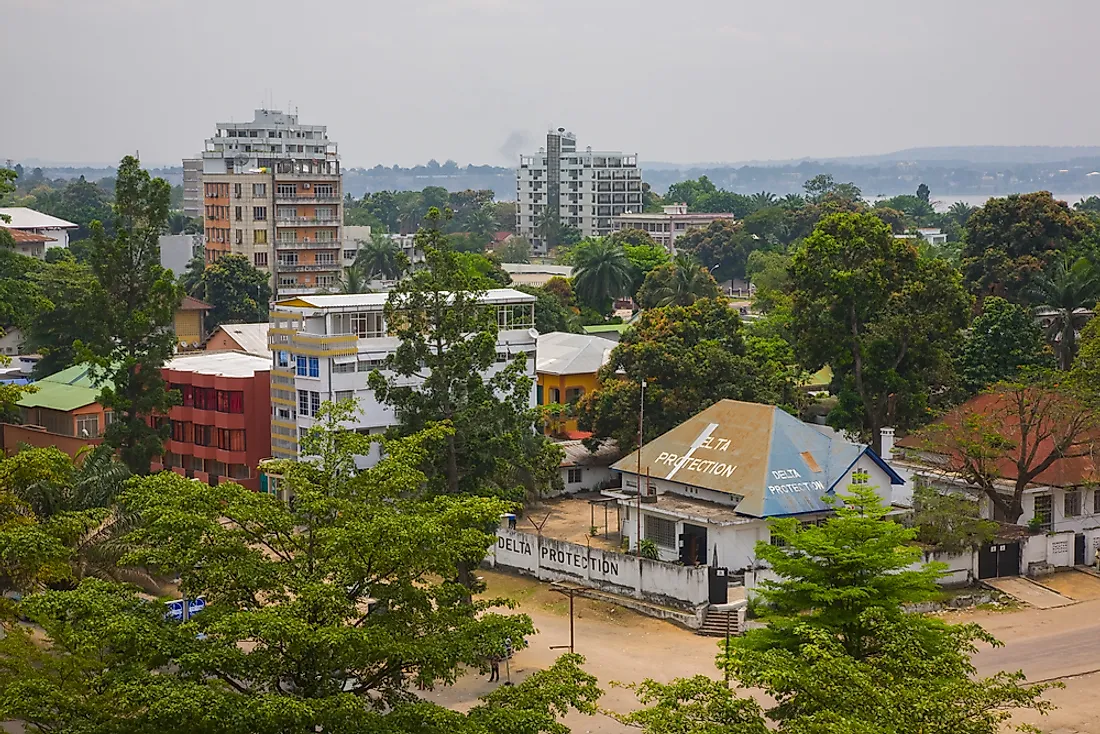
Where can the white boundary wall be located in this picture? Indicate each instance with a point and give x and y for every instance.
(548, 559)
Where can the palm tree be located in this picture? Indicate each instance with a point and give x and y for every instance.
(601, 271)
(352, 281)
(191, 279)
(792, 201)
(690, 281)
(409, 217)
(380, 258)
(960, 211)
(481, 222)
(1065, 293)
(763, 200)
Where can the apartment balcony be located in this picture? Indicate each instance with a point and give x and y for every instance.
(307, 267)
(302, 176)
(307, 222)
(308, 244)
(308, 198)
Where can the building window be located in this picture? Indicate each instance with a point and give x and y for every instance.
(239, 236)
(288, 258)
(181, 431)
(285, 189)
(87, 426)
(239, 471)
(259, 259)
(205, 436)
(237, 190)
(259, 189)
(314, 402)
(1043, 506)
(1096, 502)
(303, 402)
(205, 398)
(860, 477)
(237, 214)
(231, 439)
(314, 367)
(302, 365)
(343, 368)
(573, 394)
(309, 402)
(259, 237)
(259, 213)
(349, 254)
(365, 325)
(323, 190)
(230, 401)
(288, 235)
(326, 258)
(287, 281)
(575, 476)
(1072, 503)
(660, 531)
(342, 395)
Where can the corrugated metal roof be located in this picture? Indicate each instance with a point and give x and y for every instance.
(575, 453)
(24, 218)
(251, 338)
(66, 390)
(776, 463)
(378, 300)
(560, 353)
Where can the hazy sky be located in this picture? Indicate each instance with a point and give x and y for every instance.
(402, 81)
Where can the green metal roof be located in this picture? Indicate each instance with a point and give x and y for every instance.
(66, 390)
(605, 328)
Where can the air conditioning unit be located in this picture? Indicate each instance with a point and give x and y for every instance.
(305, 186)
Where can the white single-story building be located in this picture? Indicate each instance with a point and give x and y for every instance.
(30, 221)
(710, 485)
(585, 471)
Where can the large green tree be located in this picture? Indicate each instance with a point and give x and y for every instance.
(838, 654)
(237, 291)
(1011, 240)
(722, 247)
(882, 317)
(138, 302)
(690, 357)
(71, 315)
(1002, 342)
(321, 614)
(438, 373)
(644, 256)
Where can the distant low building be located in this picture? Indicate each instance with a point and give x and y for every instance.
(64, 412)
(534, 274)
(931, 235)
(585, 471)
(247, 338)
(610, 332)
(28, 221)
(188, 323)
(177, 250)
(668, 226)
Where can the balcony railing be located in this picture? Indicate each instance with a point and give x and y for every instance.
(307, 221)
(307, 244)
(307, 267)
(310, 198)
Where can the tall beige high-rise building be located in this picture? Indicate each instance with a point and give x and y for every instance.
(272, 192)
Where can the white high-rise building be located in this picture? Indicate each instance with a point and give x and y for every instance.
(585, 189)
(324, 346)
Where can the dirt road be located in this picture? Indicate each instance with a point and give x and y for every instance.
(623, 646)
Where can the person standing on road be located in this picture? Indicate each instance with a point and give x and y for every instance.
(494, 668)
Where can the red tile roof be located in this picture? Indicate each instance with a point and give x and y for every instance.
(22, 237)
(1071, 471)
(190, 303)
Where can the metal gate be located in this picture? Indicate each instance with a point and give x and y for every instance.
(1001, 558)
(1079, 550)
(719, 585)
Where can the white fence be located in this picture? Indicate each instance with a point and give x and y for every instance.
(557, 560)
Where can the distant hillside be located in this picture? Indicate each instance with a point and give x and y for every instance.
(959, 155)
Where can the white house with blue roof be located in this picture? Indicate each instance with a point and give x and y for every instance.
(710, 485)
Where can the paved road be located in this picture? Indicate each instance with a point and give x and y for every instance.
(1053, 654)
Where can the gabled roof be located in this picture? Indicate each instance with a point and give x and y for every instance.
(575, 453)
(190, 303)
(24, 218)
(560, 353)
(67, 390)
(251, 338)
(774, 462)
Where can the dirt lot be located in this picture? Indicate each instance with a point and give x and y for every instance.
(1077, 585)
(621, 645)
(572, 518)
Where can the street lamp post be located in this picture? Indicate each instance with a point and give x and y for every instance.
(641, 419)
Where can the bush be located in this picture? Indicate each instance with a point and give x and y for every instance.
(649, 550)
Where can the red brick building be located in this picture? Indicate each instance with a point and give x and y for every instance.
(221, 431)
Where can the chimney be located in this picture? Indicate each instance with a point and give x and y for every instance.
(886, 435)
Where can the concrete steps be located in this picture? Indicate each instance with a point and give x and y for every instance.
(722, 617)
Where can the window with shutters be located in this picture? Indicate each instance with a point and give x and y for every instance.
(661, 531)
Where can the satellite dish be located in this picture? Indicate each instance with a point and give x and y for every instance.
(285, 167)
(241, 160)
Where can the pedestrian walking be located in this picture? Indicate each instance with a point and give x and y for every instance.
(494, 668)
